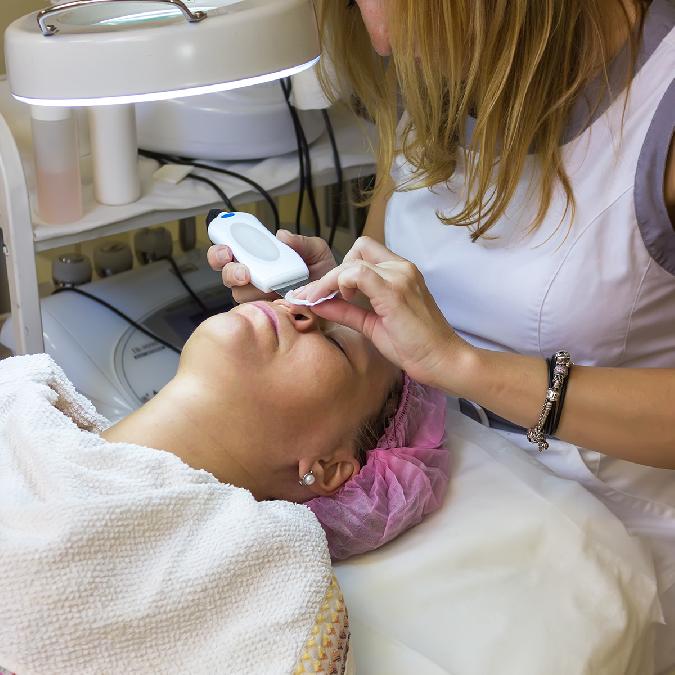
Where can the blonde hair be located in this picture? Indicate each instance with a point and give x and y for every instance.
(518, 66)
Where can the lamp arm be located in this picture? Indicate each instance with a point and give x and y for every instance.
(50, 29)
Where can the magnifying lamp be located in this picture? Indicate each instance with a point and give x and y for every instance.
(109, 54)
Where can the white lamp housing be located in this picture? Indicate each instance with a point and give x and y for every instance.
(98, 53)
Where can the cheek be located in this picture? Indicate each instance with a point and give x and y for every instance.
(316, 376)
(374, 17)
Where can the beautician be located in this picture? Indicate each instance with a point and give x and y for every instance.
(526, 199)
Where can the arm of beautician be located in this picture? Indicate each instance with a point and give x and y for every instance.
(622, 412)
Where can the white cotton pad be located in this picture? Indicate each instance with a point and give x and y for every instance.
(306, 303)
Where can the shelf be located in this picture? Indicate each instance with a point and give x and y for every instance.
(155, 217)
(162, 202)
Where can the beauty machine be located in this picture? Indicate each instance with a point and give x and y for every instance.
(107, 55)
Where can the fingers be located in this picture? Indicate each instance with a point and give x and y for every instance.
(366, 251)
(218, 257)
(347, 314)
(235, 275)
(310, 249)
(250, 293)
(313, 250)
(366, 248)
(349, 278)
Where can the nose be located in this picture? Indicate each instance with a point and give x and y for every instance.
(302, 318)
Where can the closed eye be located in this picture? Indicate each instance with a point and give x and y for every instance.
(338, 345)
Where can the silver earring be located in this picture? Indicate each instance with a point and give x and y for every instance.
(308, 479)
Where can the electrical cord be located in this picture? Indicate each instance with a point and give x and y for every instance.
(265, 195)
(310, 180)
(285, 87)
(174, 159)
(305, 158)
(337, 203)
(185, 284)
(135, 324)
(122, 315)
(225, 199)
(162, 159)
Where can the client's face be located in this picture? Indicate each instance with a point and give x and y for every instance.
(288, 387)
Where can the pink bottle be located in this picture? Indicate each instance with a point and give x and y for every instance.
(57, 164)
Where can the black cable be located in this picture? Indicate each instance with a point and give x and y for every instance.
(309, 178)
(176, 269)
(286, 88)
(198, 165)
(304, 149)
(119, 313)
(265, 195)
(185, 284)
(337, 203)
(221, 193)
(310, 183)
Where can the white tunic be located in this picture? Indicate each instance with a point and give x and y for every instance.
(602, 286)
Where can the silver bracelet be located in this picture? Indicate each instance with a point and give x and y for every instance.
(563, 362)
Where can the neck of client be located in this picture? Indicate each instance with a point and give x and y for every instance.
(180, 420)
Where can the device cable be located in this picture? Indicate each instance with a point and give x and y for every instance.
(225, 199)
(310, 181)
(337, 203)
(163, 160)
(285, 87)
(122, 315)
(185, 284)
(227, 172)
(257, 187)
(303, 152)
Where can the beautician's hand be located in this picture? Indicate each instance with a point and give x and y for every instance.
(403, 322)
(313, 250)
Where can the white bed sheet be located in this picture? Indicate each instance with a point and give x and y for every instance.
(520, 572)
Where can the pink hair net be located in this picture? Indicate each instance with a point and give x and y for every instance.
(404, 479)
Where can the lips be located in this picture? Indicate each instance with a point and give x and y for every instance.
(270, 313)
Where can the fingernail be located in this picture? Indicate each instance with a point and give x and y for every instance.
(222, 256)
(240, 275)
(304, 292)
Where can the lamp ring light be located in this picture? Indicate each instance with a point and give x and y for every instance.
(50, 29)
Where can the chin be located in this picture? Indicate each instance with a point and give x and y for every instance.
(383, 50)
(226, 328)
(293, 496)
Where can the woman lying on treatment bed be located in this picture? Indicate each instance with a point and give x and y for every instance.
(115, 554)
(255, 380)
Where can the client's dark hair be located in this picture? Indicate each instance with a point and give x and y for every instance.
(370, 432)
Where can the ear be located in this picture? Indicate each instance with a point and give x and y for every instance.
(331, 474)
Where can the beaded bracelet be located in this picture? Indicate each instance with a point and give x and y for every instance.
(561, 363)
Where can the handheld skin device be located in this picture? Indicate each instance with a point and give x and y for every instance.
(274, 266)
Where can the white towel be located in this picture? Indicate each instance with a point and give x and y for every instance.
(119, 558)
